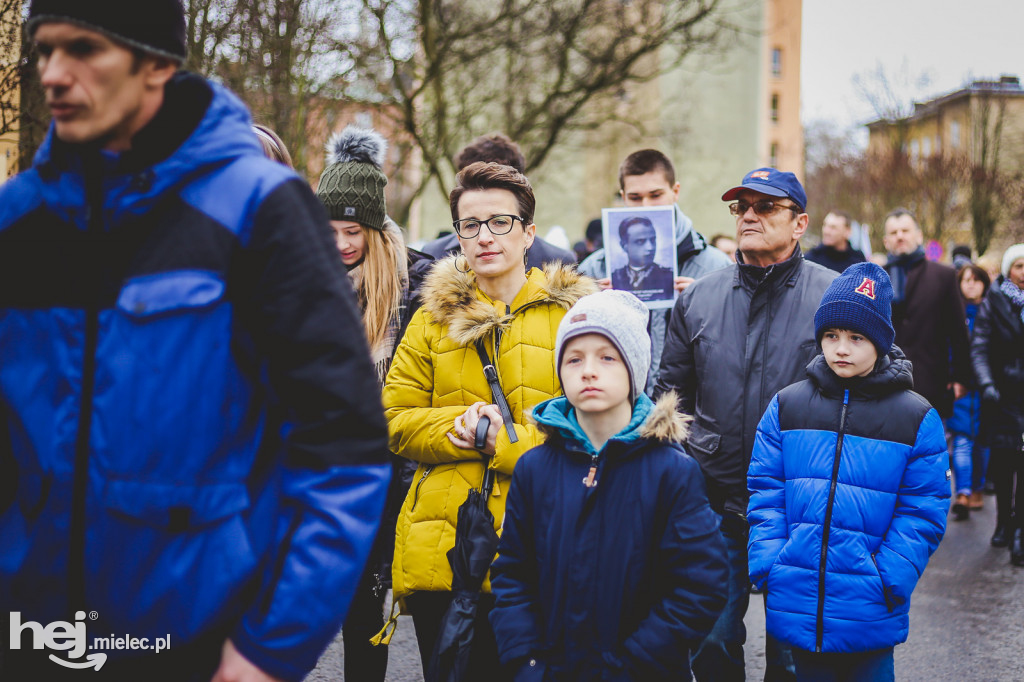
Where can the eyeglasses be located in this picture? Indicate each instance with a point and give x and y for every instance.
(763, 208)
(469, 228)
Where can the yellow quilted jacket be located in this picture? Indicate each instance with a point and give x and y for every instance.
(436, 374)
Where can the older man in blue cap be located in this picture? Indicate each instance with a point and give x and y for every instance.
(737, 336)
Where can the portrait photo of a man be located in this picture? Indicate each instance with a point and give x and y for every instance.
(639, 263)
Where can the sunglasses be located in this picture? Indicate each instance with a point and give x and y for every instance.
(763, 208)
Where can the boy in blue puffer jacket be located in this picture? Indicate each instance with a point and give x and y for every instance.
(610, 566)
(849, 490)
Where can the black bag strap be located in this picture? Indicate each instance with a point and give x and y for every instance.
(491, 374)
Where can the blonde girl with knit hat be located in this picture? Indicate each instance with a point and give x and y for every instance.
(386, 276)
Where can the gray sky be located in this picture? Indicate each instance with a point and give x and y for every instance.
(950, 40)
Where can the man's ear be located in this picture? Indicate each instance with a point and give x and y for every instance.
(159, 70)
(801, 226)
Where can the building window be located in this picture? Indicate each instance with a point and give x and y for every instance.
(773, 155)
(775, 108)
(954, 134)
(914, 151)
(926, 147)
(777, 62)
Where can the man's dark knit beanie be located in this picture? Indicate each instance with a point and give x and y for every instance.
(153, 26)
(859, 300)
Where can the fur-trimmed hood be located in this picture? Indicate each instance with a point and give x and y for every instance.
(450, 297)
(660, 422)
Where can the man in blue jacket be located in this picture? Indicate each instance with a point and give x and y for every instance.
(189, 447)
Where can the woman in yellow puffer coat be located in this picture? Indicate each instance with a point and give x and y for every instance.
(436, 391)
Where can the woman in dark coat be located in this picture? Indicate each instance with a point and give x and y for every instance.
(997, 353)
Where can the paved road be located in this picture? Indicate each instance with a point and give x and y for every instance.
(966, 620)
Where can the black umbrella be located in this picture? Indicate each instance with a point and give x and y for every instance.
(476, 543)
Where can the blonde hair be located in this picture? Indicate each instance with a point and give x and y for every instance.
(384, 280)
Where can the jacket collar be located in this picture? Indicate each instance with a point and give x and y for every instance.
(785, 273)
(893, 372)
(452, 298)
(658, 422)
(200, 125)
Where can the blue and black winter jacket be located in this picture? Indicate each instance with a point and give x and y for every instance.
(190, 442)
(849, 490)
(618, 581)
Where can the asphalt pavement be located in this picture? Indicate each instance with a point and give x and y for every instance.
(966, 619)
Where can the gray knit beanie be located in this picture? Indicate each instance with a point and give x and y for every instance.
(352, 185)
(620, 317)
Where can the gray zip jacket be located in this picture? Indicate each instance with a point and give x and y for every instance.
(737, 337)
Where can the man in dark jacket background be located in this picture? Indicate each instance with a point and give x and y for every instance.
(737, 336)
(835, 251)
(928, 314)
(190, 448)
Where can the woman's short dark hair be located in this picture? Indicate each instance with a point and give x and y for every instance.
(978, 273)
(482, 175)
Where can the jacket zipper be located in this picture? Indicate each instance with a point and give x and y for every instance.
(416, 492)
(80, 480)
(828, 524)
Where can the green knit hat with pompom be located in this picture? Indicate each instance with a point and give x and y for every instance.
(352, 185)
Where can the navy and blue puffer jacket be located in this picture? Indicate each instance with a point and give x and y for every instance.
(189, 439)
(849, 490)
(613, 582)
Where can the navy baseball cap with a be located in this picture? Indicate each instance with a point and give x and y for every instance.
(774, 183)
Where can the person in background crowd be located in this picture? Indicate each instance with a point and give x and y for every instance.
(726, 245)
(273, 147)
(961, 256)
(970, 455)
(610, 564)
(498, 148)
(737, 337)
(481, 301)
(992, 265)
(387, 277)
(928, 314)
(593, 239)
(835, 252)
(191, 436)
(997, 353)
(848, 491)
(648, 178)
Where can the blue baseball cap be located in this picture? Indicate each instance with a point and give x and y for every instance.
(774, 183)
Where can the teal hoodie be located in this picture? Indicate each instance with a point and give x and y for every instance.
(559, 415)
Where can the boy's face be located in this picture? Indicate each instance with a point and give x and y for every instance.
(649, 189)
(848, 353)
(594, 377)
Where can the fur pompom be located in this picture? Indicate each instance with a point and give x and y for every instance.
(359, 145)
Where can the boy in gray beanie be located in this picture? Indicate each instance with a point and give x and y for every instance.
(610, 564)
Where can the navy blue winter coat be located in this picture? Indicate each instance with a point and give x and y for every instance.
(849, 490)
(615, 582)
(190, 442)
